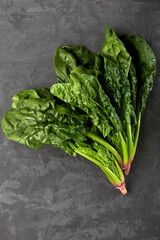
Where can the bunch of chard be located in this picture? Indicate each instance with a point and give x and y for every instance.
(94, 109)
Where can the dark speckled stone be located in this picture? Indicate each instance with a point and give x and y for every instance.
(48, 195)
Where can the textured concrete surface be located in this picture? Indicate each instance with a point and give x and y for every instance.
(49, 195)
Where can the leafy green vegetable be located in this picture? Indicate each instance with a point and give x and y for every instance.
(128, 93)
(117, 86)
(85, 92)
(145, 63)
(94, 109)
(37, 119)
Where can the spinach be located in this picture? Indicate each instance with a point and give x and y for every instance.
(85, 92)
(142, 76)
(36, 119)
(94, 109)
(117, 86)
(128, 93)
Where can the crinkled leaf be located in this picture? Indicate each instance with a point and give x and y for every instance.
(64, 63)
(145, 62)
(133, 86)
(114, 49)
(85, 92)
(37, 121)
(31, 130)
(86, 58)
(24, 100)
(68, 58)
(44, 93)
(117, 87)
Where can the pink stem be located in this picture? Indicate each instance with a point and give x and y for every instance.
(122, 188)
(127, 169)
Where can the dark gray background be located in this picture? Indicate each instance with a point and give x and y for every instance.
(48, 195)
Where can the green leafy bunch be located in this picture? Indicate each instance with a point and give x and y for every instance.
(94, 109)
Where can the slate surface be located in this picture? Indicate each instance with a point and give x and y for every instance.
(49, 195)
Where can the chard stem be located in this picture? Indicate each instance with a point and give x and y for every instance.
(130, 143)
(124, 149)
(137, 132)
(134, 146)
(106, 145)
(121, 175)
(89, 158)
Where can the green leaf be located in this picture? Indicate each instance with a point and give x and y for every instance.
(64, 63)
(120, 89)
(68, 58)
(85, 92)
(114, 50)
(145, 62)
(37, 121)
(115, 83)
(86, 58)
(38, 100)
(133, 86)
(26, 128)
(44, 93)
